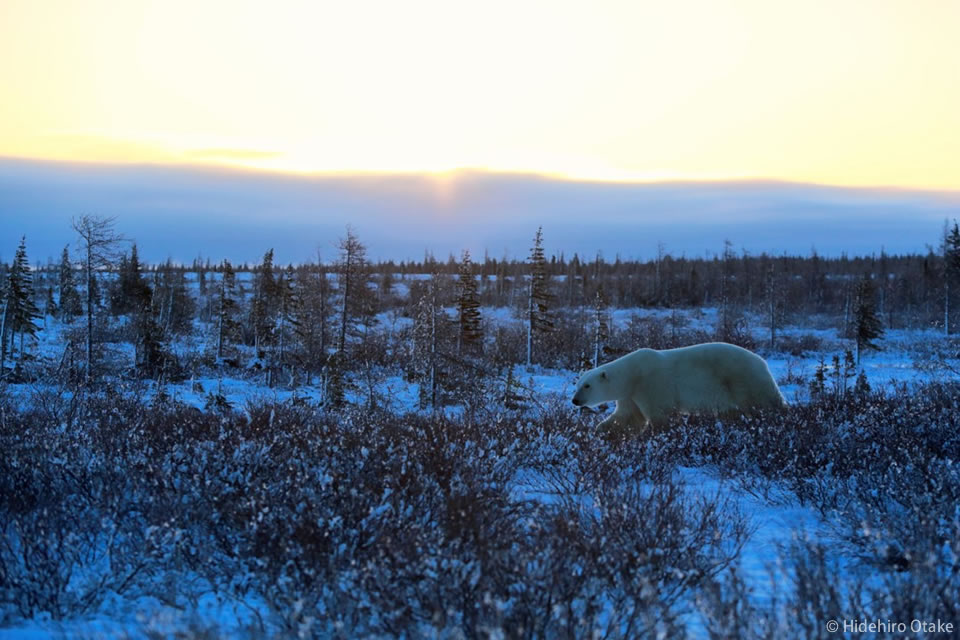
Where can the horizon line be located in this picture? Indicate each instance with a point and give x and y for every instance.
(454, 172)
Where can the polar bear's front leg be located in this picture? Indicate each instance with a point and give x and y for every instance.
(626, 418)
(656, 419)
(658, 423)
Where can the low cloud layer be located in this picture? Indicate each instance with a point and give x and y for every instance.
(183, 212)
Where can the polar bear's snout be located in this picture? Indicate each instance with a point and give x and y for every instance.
(585, 396)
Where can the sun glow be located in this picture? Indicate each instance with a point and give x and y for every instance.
(837, 92)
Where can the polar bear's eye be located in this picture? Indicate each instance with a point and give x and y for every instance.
(586, 386)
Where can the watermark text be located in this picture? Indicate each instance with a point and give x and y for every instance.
(890, 626)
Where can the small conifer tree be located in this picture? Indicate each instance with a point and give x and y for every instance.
(862, 386)
(131, 294)
(426, 339)
(228, 327)
(352, 277)
(263, 307)
(70, 304)
(286, 318)
(868, 326)
(311, 316)
(818, 385)
(539, 322)
(21, 307)
(470, 336)
(601, 331)
(951, 269)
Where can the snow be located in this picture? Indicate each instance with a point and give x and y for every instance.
(774, 521)
(775, 517)
(146, 618)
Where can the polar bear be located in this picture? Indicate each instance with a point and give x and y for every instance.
(648, 385)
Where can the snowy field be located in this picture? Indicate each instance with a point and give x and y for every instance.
(768, 509)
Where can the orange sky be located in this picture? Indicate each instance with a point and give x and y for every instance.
(838, 92)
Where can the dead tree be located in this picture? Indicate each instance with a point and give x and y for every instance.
(99, 243)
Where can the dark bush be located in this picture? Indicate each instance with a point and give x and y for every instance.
(351, 522)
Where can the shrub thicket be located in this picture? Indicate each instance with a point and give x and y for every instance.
(349, 523)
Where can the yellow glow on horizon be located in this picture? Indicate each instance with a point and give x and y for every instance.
(839, 92)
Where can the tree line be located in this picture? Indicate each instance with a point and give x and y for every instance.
(314, 323)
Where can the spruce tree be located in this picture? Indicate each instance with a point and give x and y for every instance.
(228, 327)
(849, 369)
(386, 282)
(70, 304)
(868, 326)
(512, 391)
(538, 318)
(150, 344)
(727, 317)
(837, 377)
(136, 290)
(172, 304)
(862, 387)
(4, 325)
(201, 271)
(22, 308)
(601, 332)
(263, 308)
(131, 294)
(470, 336)
(49, 305)
(352, 278)
(951, 269)
(773, 301)
(426, 338)
(818, 385)
(115, 289)
(311, 317)
(356, 303)
(288, 303)
(335, 380)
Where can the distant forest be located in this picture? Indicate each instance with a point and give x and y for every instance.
(297, 321)
(912, 289)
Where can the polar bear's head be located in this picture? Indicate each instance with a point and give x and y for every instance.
(594, 387)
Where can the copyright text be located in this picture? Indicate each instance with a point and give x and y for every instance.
(890, 626)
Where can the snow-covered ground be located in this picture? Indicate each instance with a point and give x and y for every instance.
(772, 522)
(195, 611)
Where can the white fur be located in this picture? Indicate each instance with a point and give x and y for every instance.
(649, 385)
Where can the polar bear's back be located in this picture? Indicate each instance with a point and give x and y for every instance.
(720, 357)
(709, 377)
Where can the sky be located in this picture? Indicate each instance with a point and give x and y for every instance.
(835, 92)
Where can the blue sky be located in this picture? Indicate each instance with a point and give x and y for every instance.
(182, 212)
